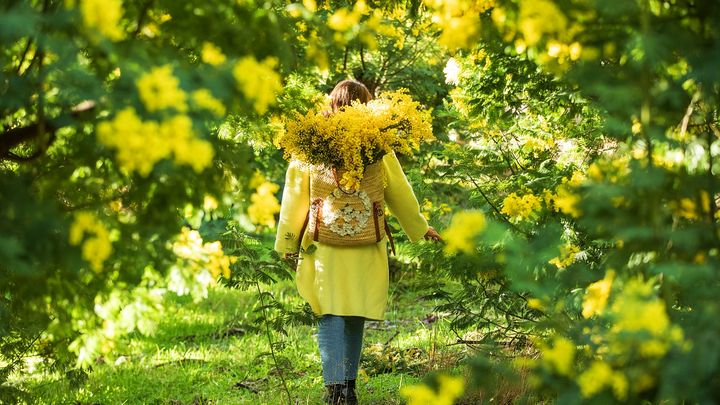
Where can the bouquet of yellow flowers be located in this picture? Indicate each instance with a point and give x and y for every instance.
(357, 135)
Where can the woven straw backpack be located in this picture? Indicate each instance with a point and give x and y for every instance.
(342, 218)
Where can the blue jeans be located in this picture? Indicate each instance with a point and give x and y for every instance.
(340, 340)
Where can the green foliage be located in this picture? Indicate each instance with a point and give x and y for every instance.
(616, 259)
(586, 133)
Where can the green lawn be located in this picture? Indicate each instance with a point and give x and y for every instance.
(204, 353)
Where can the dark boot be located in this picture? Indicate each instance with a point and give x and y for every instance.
(350, 396)
(334, 394)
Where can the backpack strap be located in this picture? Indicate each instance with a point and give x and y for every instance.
(377, 211)
(318, 203)
(302, 230)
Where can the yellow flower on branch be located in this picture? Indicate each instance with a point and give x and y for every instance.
(464, 227)
(203, 98)
(97, 246)
(561, 356)
(104, 17)
(449, 389)
(595, 379)
(641, 318)
(597, 295)
(566, 201)
(567, 256)
(197, 153)
(258, 81)
(459, 20)
(520, 208)
(264, 205)
(160, 89)
(138, 144)
(199, 256)
(539, 18)
(141, 144)
(212, 55)
(343, 19)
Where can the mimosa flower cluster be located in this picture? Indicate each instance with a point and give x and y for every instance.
(448, 390)
(264, 205)
(202, 257)
(636, 333)
(458, 19)
(357, 135)
(141, 144)
(102, 16)
(95, 238)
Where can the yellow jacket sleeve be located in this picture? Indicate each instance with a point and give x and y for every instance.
(401, 200)
(293, 209)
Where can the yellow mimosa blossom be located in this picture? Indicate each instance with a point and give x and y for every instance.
(141, 144)
(641, 315)
(534, 145)
(620, 385)
(418, 394)
(426, 207)
(458, 19)
(594, 172)
(212, 55)
(310, 5)
(197, 153)
(608, 169)
(449, 389)
(535, 303)
(595, 379)
(186, 148)
(705, 201)
(357, 135)
(686, 209)
(138, 143)
(640, 332)
(264, 205)
(210, 203)
(97, 246)
(464, 227)
(343, 19)
(258, 81)
(638, 310)
(600, 376)
(204, 99)
(575, 50)
(160, 89)
(566, 201)
(563, 52)
(520, 208)
(560, 356)
(567, 256)
(576, 179)
(597, 295)
(198, 256)
(539, 18)
(104, 17)
(256, 180)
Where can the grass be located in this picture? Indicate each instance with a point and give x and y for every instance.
(202, 352)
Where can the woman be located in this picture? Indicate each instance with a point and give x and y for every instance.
(344, 285)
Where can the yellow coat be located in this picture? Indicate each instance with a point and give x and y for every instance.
(345, 280)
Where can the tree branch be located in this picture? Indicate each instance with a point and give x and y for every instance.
(13, 137)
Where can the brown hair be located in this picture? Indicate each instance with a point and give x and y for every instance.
(348, 91)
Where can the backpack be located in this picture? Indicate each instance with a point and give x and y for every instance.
(341, 218)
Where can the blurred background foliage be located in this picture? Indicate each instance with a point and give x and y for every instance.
(577, 140)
